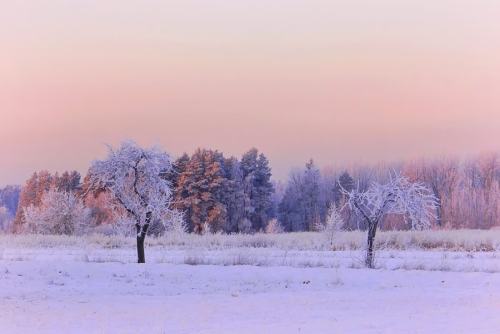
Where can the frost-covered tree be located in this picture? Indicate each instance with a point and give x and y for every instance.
(36, 187)
(311, 195)
(175, 224)
(291, 208)
(333, 224)
(200, 191)
(441, 176)
(31, 194)
(346, 181)
(135, 177)
(60, 212)
(264, 190)
(399, 196)
(67, 181)
(178, 167)
(223, 192)
(301, 205)
(233, 195)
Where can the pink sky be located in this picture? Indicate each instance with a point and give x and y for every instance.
(339, 81)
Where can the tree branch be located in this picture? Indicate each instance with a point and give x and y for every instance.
(136, 179)
(130, 211)
(361, 210)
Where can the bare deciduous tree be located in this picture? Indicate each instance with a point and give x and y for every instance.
(398, 195)
(135, 177)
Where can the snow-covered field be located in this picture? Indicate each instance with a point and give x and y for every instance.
(57, 285)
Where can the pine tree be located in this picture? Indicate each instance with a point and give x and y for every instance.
(346, 181)
(233, 195)
(68, 182)
(178, 167)
(291, 208)
(9, 198)
(311, 195)
(301, 206)
(258, 188)
(264, 190)
(199, 192)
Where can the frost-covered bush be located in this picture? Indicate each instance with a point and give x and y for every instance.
(455, 240)
(332, 225)
(59, 213)
(205, 229)
(274, 226)
(122, 226)
(175, 224)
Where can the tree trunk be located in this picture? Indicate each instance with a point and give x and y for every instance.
(372, 230)
(439, 214)
(141, 235)
(141, 258)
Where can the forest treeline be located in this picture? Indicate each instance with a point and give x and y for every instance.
(231, 195)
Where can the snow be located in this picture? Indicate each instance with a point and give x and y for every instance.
(388, 259)
(446, 240)
(58, 290)
(398, 196)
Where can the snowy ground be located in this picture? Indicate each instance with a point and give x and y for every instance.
(60, 290)
(388, 259)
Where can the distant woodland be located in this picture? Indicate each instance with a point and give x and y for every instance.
(223, 194)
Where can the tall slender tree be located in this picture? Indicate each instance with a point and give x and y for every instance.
(311, 195)
(258, 188)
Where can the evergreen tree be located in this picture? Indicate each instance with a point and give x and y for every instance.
(9, 198)
(67, 182)
(234, 196)
(31, 194)
(291, 208)
(178, 166)
(200, 191)
(311, 195)
(258, 188)
(301, 206)
(346, 181)
(264, 190)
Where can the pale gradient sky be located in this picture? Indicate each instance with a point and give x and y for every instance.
(339, 81)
